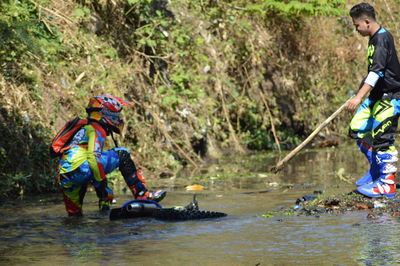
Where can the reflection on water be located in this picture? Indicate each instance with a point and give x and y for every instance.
(380, 247)
(40, 234)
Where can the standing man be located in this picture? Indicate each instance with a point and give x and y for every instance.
(375, 120)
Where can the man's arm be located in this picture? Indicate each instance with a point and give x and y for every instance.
(357, 100)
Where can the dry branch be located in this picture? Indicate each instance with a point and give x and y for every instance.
(272, 121)
(56, 13)
(281, 163)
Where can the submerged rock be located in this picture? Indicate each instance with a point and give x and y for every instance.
(308, 197)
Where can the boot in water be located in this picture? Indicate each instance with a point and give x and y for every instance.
(373, 172)
(385, 185)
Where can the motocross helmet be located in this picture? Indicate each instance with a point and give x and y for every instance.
(106, 109)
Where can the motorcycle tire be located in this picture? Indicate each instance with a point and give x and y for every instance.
(183, 214)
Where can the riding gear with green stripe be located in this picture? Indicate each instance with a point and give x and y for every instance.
(84, 162)
(376, 119)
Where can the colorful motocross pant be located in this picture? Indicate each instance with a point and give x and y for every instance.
(375, 123)
(74, 184)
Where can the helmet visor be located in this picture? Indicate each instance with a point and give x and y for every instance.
(112, 119)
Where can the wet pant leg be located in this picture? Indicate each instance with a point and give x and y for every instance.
(110, 161)
(73, 188)
(375, 123)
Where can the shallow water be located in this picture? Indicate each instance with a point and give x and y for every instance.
(39, 233)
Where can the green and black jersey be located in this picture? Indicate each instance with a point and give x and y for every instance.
(382, 60)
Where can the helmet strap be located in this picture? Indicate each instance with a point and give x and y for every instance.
(115, 141)
(106, 127)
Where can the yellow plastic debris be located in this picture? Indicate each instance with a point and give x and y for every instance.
(195, 187)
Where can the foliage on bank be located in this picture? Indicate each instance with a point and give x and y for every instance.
(206, 76)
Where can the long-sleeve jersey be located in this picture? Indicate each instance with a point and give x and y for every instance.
(86, 145)
(382, 60)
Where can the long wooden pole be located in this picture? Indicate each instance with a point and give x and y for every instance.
(281, 163)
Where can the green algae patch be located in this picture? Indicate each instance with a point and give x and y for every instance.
(272, 214)
(268, 214)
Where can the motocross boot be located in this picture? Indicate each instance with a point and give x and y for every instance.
(140, 191)
(385, 184)
(134, 179)
(373, 172)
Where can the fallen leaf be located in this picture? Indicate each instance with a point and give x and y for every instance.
(361, 206)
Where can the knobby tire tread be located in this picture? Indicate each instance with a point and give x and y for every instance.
(174, 214)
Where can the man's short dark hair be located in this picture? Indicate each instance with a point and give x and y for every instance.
(363, 10)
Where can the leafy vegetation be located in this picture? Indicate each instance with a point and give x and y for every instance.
(205, 75)
(25, 165)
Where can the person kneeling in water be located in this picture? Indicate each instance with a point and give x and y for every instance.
(83, 160)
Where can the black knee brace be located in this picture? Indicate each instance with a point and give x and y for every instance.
(129, 171)
(126, 164)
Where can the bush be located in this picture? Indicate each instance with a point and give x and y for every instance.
(25, 165)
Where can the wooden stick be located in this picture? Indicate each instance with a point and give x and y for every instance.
(280, 164)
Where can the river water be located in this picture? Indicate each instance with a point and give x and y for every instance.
(37, 231)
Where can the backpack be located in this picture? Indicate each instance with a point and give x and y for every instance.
(58, 145)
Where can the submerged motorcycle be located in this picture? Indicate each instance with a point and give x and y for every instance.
(149, 208)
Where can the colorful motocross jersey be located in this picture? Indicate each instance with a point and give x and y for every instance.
(86, 145)
(382, 60)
